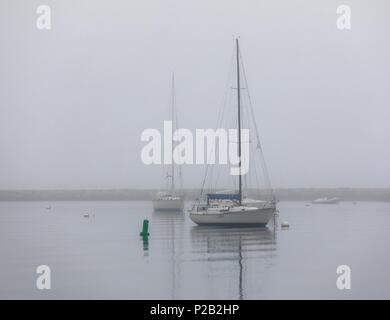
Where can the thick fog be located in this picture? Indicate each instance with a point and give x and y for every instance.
(75, 99)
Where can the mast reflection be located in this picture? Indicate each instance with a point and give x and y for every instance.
(168, 228)
(217, 244)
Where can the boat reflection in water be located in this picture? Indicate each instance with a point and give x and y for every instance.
(168, 232)
(231, 250)
(201, 262)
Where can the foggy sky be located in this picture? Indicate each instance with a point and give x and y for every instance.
(74, 100)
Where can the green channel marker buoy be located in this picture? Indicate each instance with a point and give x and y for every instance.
(145, 228)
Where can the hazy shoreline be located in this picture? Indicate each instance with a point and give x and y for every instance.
(291, 194)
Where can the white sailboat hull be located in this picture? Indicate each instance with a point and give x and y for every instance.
(168, 204)
(258, 217)
(260, 204)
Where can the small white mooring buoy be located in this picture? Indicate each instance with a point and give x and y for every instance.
(285, 225)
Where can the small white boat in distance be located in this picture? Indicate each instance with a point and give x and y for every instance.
(165, 201)
(170, 200)
(326, 200)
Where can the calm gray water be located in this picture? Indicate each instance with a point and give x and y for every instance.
(103, 256)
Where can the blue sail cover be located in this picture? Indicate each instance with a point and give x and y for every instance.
(223, 196)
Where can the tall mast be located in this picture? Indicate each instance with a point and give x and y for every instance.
(239, 122)
(173, 127)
